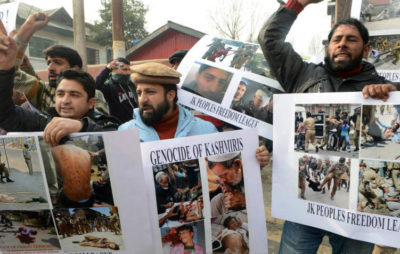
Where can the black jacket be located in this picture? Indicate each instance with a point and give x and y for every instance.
(297, 76)
(121, 98)
(16, 119)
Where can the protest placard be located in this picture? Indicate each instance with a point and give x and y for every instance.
(345, 181)
(205, 193)
(85, 195)
(229, 80)
(8, 15)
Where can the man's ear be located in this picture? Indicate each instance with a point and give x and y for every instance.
(237, 163)
(92, 102)
(75, 67)
(366, 49)
(171, 94)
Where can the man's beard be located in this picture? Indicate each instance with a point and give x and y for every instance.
(343, 67)
(53, 82)
(158, 113)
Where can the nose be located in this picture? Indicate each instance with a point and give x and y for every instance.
(66, 99)
(342, 43)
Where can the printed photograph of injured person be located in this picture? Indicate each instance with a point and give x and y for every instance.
(178, 192)
(77, 172)
(324, 179)
(230, 233)
(226, 183)
(379, 189)
(380, 132)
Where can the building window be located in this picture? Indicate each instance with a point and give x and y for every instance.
(37, 45)
(92, 56)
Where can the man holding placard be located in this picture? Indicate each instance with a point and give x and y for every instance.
(343, 71)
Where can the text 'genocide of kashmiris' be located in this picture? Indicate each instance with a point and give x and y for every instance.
(182, 153)
(358, 219)
(225, 113)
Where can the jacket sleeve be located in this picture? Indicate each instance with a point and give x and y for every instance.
(286, 64)
(101, 79)
(14, 118)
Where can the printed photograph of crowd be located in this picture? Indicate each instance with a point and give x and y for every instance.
(230, 233)
(77, 172)
(254, 99)
(27, 231)
(22, 185)
(379, 15)
(89, 229)
(207, 81)
(380, 132)
(226, 183)
(385, 51)
(236, 54)
(331, 129)
(186, 238)
(178, 192)
(324, 179)
(379, 187)
(233, 53)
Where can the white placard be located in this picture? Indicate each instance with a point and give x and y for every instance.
(187, 157)
(8, 15)
(231, 81)
(350, 213)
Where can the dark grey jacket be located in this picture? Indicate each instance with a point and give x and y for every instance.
(297, 76)
(16, 119)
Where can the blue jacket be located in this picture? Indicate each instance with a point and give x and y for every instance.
(188, 125)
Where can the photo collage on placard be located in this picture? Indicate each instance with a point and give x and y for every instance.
(57, 197)
(231, 73)
(179, 196)
(327, 137)
(180, 204)
(227, 194)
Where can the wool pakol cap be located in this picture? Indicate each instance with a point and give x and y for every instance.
(154, 73)
(223, 157)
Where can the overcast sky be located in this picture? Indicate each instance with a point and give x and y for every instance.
(196, 14)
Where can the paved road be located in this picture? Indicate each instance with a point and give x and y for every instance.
(341, 198)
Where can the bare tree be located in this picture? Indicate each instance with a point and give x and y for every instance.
(238, 19)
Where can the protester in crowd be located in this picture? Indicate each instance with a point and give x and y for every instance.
(176, 58)
(119, 91)
(74, 102)
(59, 58)
(343, 71)
(159, 116)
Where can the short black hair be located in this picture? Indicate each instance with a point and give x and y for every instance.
(351, 22)
(82, 77)
(204, 67)
(123, 60)
(308, 114)
(185, 227)
(71, 55)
